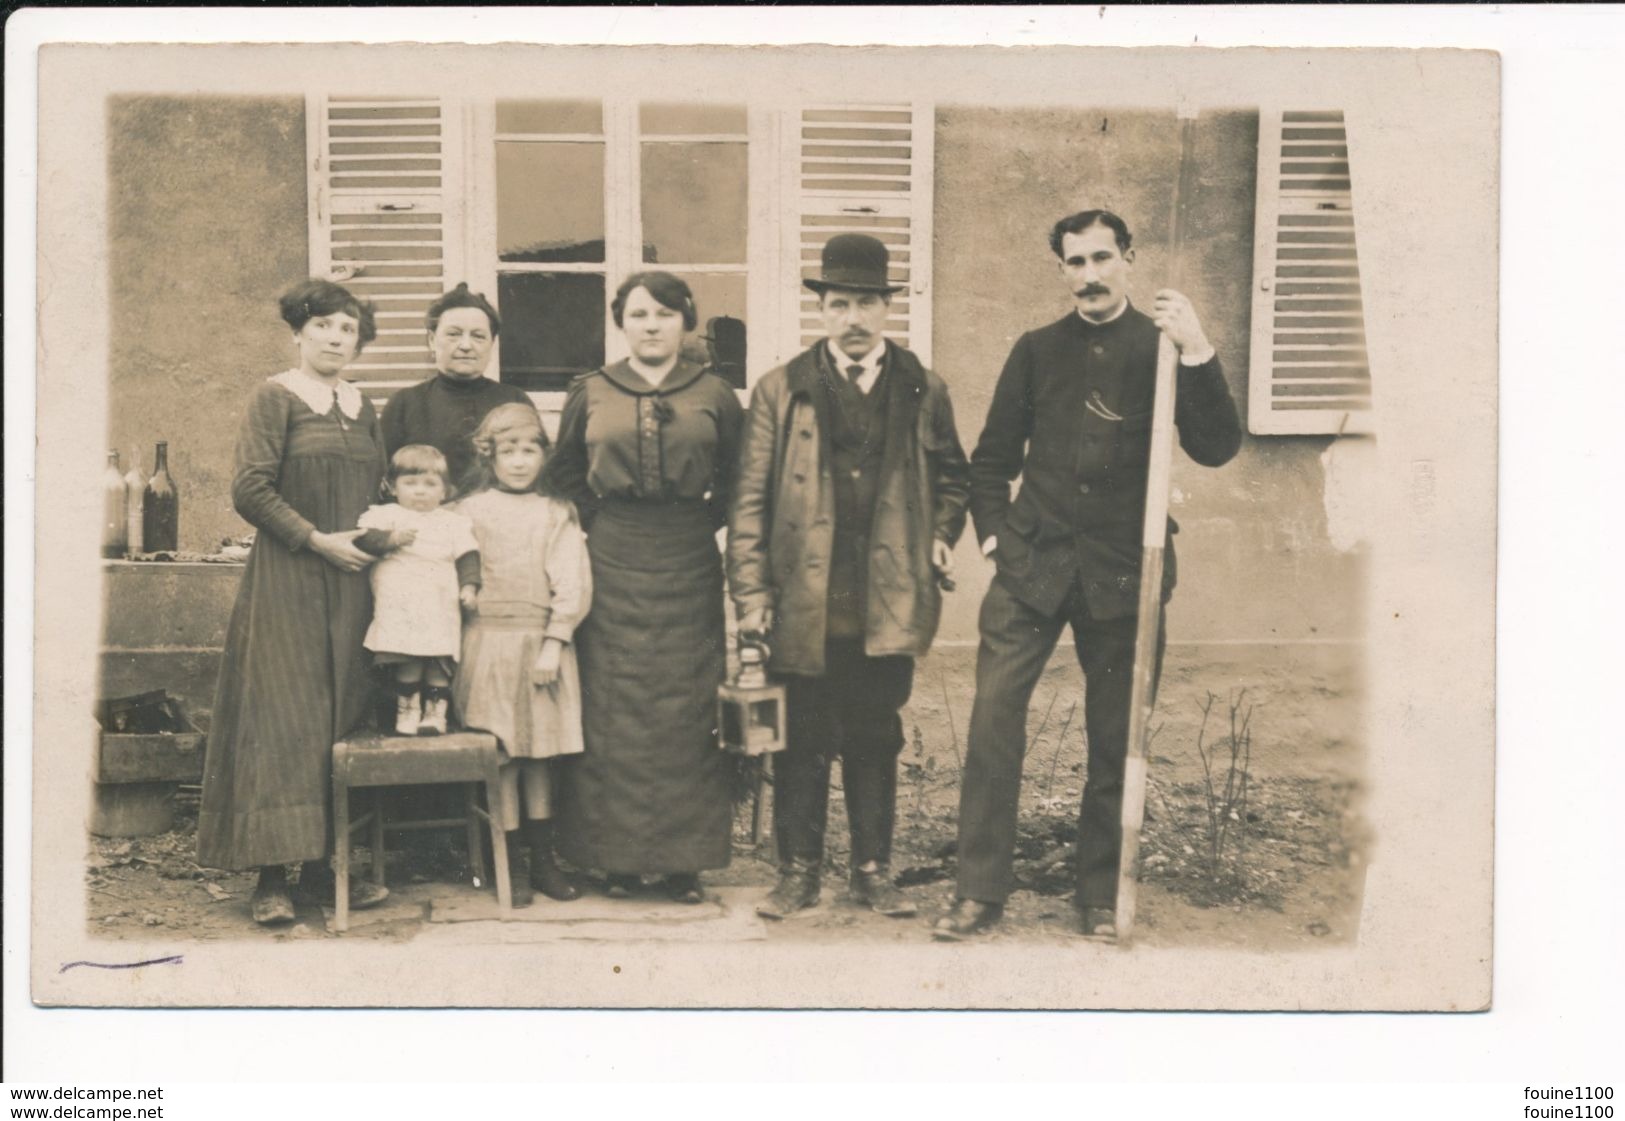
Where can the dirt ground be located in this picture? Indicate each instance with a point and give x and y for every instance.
(1288, 877)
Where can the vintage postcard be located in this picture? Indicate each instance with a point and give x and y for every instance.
(675, 516)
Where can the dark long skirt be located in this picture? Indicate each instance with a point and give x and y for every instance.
(651, 792)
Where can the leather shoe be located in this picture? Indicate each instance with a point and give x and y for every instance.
(968, 916)
(1098, 922)
(318, 885)
(620, 885)
(271, 905)
(796, 890)
(684, 887)
(874, 890)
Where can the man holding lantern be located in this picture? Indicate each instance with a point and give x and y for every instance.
(852, 491)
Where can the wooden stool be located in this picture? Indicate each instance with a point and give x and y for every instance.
(469, 758)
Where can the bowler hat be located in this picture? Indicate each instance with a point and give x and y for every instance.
(855, 261)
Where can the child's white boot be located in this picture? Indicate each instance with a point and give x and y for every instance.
(434, 711)
(408, 709)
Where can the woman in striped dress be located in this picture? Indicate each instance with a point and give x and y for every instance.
(294, 677)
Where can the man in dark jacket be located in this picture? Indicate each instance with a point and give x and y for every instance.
(1071, 415)
(851, 493)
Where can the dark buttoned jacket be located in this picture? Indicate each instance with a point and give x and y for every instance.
(1071, 416)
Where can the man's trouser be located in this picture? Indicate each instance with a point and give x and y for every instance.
(850, 712)
(1017, 641)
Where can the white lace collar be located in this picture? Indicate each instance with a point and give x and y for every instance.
(318, 396)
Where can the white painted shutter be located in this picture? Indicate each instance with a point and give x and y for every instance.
(384, 185)
(862, 169)
(1309, 372)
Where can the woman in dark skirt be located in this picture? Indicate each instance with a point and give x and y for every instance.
(646, 450)
(294, 676)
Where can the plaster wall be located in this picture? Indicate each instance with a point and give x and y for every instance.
(207, 226)
(1257, 557)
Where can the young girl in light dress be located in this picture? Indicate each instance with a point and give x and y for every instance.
(517, 678)
(429, 567)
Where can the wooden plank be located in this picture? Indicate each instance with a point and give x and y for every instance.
(1154, 536)
(160, 757)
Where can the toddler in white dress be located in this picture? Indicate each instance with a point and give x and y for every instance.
(428, 570)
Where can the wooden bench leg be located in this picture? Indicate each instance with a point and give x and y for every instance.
(499, 841)
(476, 847)
(341, 851)
(379, 865)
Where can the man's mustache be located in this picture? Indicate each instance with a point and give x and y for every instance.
(1094, 290)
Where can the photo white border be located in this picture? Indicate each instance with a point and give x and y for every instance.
(1553, 758)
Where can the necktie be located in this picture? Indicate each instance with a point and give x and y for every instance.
(854, 372)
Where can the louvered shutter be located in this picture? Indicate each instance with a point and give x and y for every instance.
(382, 221)
(864, 169)
(1309, 373)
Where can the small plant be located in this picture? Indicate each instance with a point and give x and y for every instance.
(1226, 793)
(917, 767)
(953, 729)
(1060, 741)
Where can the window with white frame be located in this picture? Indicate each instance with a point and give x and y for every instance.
(547, 204)
(585, 193)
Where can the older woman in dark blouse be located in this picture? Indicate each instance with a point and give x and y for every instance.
(444, 411)
(646, 450)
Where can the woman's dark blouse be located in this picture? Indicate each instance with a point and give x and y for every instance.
(621, 438)
(443, 412)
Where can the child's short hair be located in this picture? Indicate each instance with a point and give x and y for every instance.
(418, 459)
(504, 420)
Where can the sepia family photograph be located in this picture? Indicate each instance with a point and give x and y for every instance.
(765, 527)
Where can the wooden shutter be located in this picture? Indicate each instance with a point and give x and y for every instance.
(863, 169)
(1309, 372)
(384, 185)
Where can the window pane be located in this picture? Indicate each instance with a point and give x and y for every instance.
(719, 295)
(666, 118)
(550, 201)
(551, 116)
(694, 203)
(552, 327)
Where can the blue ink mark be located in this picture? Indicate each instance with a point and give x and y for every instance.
(173, 959)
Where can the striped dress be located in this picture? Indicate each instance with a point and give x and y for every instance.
(294, 677)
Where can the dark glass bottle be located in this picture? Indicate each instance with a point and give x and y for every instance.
(160, 508)
(114, 528)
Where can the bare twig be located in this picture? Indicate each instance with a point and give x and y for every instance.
(919, 772)
(1207, 778)
(953, 732)
(1228, 803)
(1060, 741)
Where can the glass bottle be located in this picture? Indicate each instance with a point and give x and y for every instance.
(135, 485)
(115, 524)
(160, 507)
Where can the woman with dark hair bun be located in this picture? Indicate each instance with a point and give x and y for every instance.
(444, 411)
(646, 451)
(294, 677)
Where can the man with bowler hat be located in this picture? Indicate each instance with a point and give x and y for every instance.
(1071, 415)
(851, 493)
